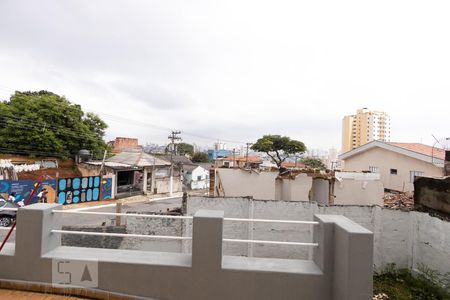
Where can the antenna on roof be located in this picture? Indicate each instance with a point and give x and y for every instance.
(439, 145)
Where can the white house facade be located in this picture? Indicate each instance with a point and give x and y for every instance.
(196, 177)
(397, 163)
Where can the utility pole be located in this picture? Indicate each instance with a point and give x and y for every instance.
(246, 154)
(172, 137)
(234, 158)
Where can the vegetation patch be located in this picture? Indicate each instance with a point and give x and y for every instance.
(401, 284)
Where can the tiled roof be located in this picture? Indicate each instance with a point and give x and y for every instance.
(137, 158)
(422, 149)
(181, 159)
(107, 164)
(190, 168)
(415, 150)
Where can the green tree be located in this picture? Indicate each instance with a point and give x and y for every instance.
(43, 123)
(184, 148)
(313, 163)
(200, 157)
(279, 148)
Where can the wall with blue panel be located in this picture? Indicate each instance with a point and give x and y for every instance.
(79, 189)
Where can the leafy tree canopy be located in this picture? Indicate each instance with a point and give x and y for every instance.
(184, 148)
(200, 157)
(313, 163)
(43, 123)
(278, 147)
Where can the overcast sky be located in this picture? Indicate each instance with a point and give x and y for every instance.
(235, 70)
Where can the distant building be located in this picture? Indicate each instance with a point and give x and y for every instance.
(196, 177)
(136, 173)
(218, 153)
(219, 146)
(293, 165)
(364, 127)
(397, 163)
(268, 165)
(122, 143)
(332, 161)
(253, 162)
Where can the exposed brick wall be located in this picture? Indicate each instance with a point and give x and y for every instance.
(121, 143)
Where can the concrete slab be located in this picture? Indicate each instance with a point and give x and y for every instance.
(270, 265)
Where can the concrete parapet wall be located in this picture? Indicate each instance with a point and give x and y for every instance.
(344, 255)
(407, 239)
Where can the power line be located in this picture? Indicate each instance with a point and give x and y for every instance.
(60, 131)
(140, 123)
(128, 121)
(32, 124)
(174, 137)
(33, 152)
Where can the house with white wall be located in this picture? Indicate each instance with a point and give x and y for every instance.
(397, 163)
(343, 188)
(196, 177)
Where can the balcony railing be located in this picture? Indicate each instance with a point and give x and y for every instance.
(341, 265)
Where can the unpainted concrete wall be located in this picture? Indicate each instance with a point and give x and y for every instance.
(297, 189)
(358, 192)
(90, 241)
(240, 183)
(149, 226)
(162, 185)
(244, 183)
(266, 186)
(433, 193)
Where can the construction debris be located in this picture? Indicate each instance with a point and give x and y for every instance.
(399, 200)
(381, 296)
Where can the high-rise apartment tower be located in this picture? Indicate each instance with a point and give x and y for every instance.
(365, 127)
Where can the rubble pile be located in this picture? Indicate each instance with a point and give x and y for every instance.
(399, 200)
(381, 296)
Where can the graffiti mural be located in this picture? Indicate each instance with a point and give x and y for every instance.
(23, 189)
(5, 186)
(78, 189)
(107, 188)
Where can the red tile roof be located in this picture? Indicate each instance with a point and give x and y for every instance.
(422, 149)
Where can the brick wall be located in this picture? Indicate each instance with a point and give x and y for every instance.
(121, 143)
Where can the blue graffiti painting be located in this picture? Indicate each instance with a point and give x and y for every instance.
(5, 185)
(80, 190)
(107, 188)
(23, 189)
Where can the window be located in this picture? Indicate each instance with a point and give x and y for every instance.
(374, 169)
(199, 178)
(393, 171)
(414, 174)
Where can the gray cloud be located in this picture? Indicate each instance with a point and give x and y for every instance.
(208, 68)
(156, 97)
